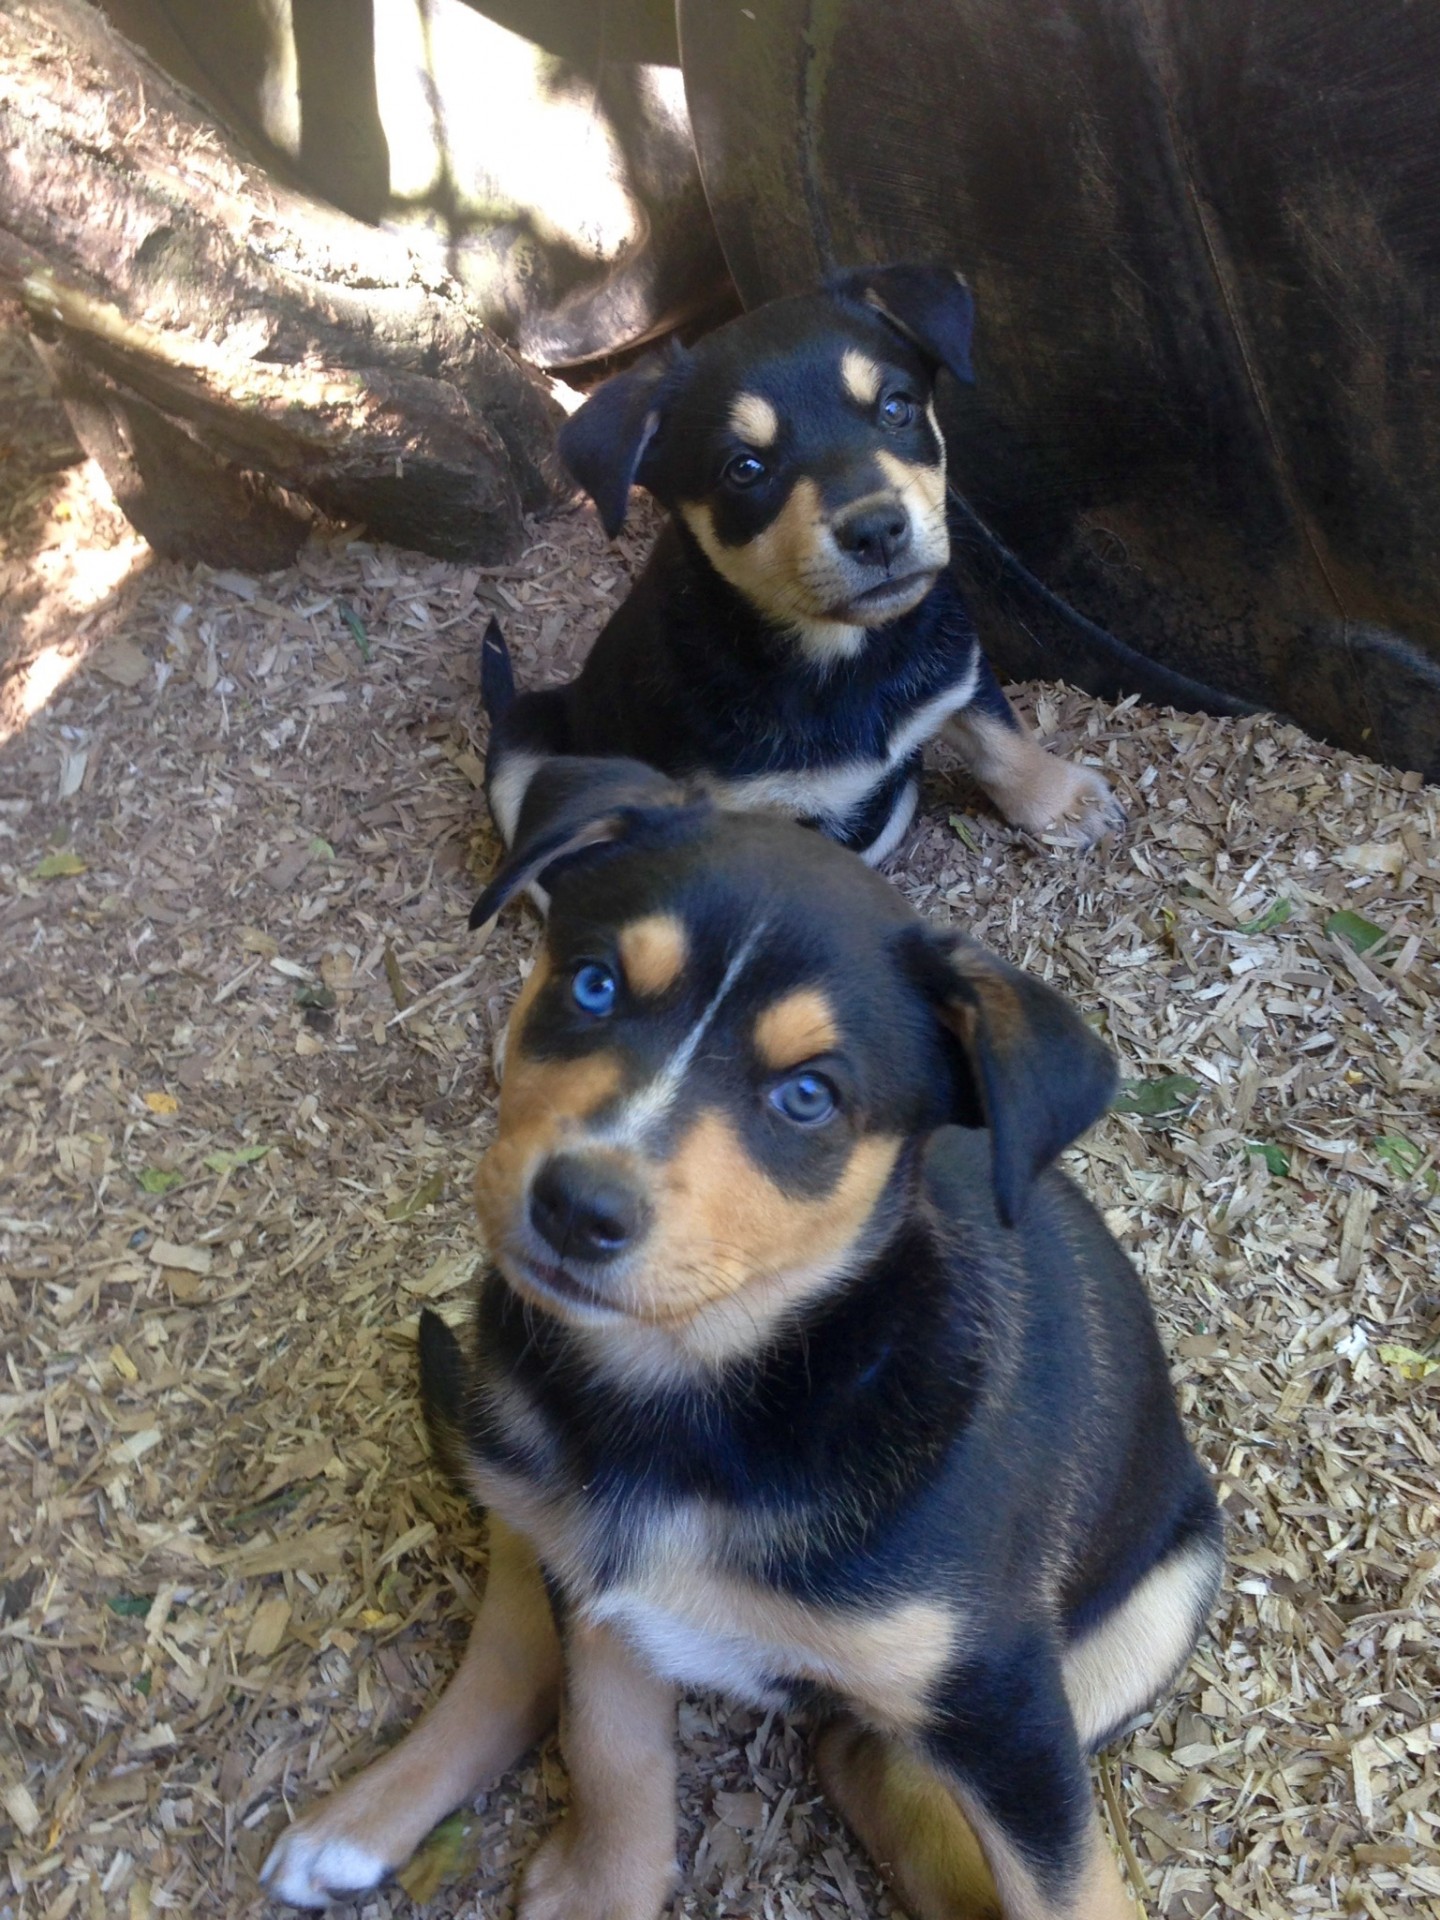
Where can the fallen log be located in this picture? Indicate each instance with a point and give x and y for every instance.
(238, 356)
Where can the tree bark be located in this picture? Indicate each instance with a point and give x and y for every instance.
(239, 357)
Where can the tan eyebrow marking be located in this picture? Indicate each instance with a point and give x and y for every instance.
(653, 952)
(796, 1028)
(753, 419)
(861, 377)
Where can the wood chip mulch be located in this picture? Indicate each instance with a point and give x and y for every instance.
(245, 1071)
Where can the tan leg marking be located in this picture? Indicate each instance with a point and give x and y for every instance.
(1137, 1650)
(1033, 789)
(942, 1852)
(503, 1697)
(1097, 1893)
(908, 1821)
(613, 1856)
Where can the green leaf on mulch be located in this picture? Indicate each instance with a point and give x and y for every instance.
(1275, 915)
(1275, 1158)
(1171, 1093)
(158, 1179)
(1400, 1155)
(227, 1159)
(423, 1197)
(963, 832)
(56, 866)
(357, 629)
(449, 1853)
(130, 1606)
(1357, 933)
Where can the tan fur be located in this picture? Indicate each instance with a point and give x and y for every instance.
(722, 1226)
(1134, 1652)
(908, 1821)
(796, 1028)
(860, 377)
(917, 482)
(1032, 788)
(754, 420)
(653, 952)
(613, 1856)
(503, 1697)
(789, 572)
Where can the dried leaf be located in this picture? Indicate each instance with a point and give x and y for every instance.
(161, 1102)
(1409, 1362)
(188, 1259)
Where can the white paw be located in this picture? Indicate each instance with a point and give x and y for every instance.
(310, 1868)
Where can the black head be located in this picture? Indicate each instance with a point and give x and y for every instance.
(732, 1033)
(799, 447)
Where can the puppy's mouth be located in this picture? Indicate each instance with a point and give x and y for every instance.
(552, 1285)
(887, 601)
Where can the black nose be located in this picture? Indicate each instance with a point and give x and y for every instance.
(585, 1210)
(876, 535)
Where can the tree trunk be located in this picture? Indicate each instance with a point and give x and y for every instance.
(235, 355)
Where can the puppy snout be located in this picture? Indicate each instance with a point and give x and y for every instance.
(876, 534)
(585, 1210)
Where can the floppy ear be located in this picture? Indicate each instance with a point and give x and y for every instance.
(1043, 1077)
(573, 804)
(931, 306)
(604, 443)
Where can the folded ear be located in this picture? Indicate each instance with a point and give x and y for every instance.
(931, 306)
(573, 805)
(1042, 1076)
(604, 442)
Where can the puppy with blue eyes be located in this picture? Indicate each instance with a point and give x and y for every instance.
(797, 635)
(799, 1372)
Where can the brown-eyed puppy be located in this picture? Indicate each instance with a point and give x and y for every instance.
(801, 1372)
(797, 635)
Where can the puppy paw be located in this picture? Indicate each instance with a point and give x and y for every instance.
(318, 1860)
(1064, 803)
(562, 1882)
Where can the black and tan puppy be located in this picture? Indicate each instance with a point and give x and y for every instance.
(797, 635)
(802, 1373)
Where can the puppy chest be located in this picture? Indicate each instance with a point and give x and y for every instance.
(704, 1625)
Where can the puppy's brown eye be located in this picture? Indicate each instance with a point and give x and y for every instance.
(745, 470)
(896, 410)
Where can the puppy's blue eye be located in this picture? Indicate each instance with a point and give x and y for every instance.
(592, 988)
(896, 410)
(745, 470)
(806, 1099)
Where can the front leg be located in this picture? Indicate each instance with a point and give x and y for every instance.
(613, 1856)
(1004, 1742)
(502, 1699)
(1031, 787)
